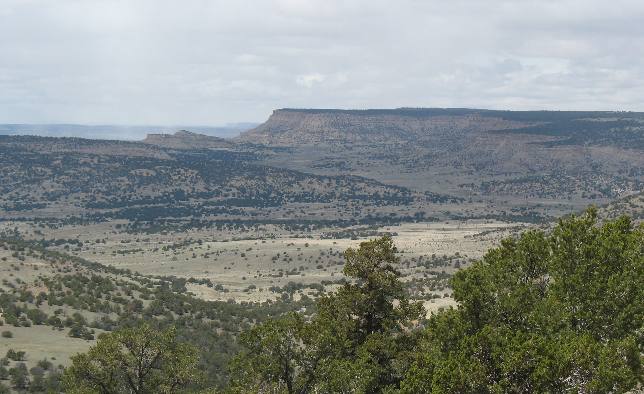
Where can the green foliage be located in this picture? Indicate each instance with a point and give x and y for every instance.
(356, 342)
(15, 355)
(19, 376)
(558, 312)
(377, 287)
(80, 331)
(276, 356)
(137, 360)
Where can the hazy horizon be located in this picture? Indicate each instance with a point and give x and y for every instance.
(120, 132)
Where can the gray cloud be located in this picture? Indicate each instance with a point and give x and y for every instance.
(212, 62)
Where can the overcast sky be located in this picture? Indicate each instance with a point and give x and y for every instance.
(211, 62)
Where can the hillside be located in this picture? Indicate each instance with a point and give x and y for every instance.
(305, 127)
(292, 127)
(77, 179)
(55, 305)
(337, 165)
(530, 157)
(632, 206)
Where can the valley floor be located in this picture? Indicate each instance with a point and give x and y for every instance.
(247, 265)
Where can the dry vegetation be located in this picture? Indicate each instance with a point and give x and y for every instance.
(98, 234)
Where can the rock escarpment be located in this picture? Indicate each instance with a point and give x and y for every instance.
(308, 127)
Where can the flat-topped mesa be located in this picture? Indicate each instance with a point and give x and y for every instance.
(329, 126)
(184, 139)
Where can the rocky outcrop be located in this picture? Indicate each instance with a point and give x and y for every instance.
(187, 140)
(289, 127)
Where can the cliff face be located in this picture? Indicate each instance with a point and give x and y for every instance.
(546, 154)
(187, 140)
(307, 127)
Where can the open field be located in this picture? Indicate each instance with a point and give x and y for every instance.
(248, 264)
(41, 342)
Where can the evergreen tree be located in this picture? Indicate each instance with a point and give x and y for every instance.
(134, 360)
(558, 312)
(355, 342)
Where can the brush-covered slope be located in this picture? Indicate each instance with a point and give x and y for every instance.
(574, 156)
(164, 183)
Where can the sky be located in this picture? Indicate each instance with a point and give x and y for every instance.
(210, 62)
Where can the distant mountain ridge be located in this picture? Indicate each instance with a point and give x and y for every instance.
(290, 126)
(577, 156)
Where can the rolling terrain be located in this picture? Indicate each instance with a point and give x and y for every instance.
(148, 184)
(215, 235)
(547, 161)
(241, 210)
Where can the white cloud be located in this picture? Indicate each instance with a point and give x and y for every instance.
(308, 80)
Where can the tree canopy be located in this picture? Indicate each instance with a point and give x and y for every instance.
(133, 360)
(547, 312)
